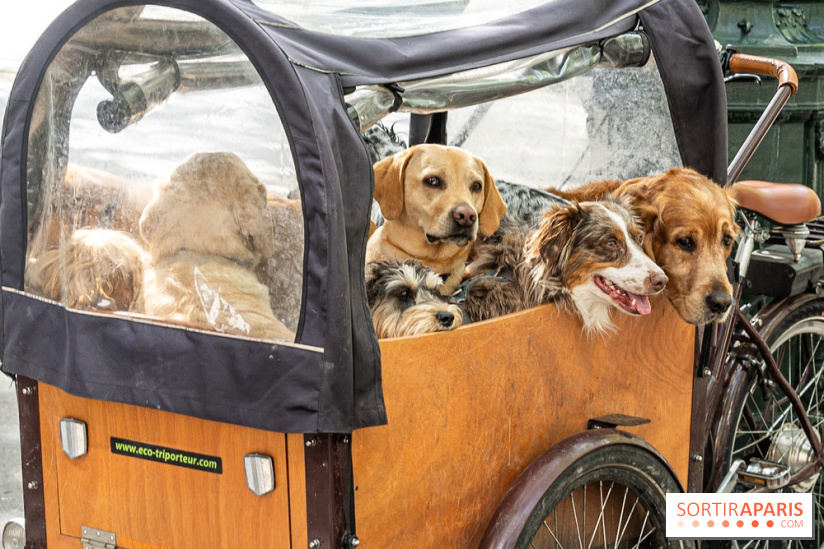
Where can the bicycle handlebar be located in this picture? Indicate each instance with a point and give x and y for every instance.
(787, 86)
(765, 66)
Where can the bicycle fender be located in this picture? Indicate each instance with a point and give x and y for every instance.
(511, 516)
(775, 312)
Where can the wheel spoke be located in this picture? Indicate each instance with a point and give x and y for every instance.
(780, 358)
(812, 383)
(621, 518)
(766, 412)
(601, 518)
(629, 515)
(613, 497)
(642, 537)
(782, 417)
(818, 505)
(577, 526)
(752, 444)
(551, 533)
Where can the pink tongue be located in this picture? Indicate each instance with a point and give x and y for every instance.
(642, 306)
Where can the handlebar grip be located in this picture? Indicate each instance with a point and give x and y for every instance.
(765, 66)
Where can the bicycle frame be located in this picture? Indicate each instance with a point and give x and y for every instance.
(721, 355)
(733, 354)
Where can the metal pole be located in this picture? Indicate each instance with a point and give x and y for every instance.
(782, 95)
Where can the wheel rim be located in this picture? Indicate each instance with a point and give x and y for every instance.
(768, 427)
(599, 514)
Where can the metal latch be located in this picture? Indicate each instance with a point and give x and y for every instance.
(94, 538)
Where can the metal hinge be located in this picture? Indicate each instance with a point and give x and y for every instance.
(94, 538)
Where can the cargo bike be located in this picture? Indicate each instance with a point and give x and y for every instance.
(143, 431)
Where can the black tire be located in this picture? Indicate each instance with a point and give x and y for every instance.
(615, 477)
(764, 424)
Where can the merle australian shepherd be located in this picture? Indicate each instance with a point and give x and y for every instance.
(585, 256)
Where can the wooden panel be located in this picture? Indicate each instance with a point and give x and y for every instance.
(469, 409)
(151, 505)
(297, 490)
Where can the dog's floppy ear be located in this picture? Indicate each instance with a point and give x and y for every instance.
(732, 204)
(553, 239)
(253, 218)
(45, 276)
(389, 174)
(374, 272)
(639, 197)
(164, 212)
(494, 208)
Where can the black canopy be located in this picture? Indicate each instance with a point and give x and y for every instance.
(330, 380)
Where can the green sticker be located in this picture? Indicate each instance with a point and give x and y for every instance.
(190, 460)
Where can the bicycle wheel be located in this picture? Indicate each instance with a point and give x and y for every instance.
(613, 497)
(766, 427)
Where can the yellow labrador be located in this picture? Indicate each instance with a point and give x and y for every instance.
(435, 200)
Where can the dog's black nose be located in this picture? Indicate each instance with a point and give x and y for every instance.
(464, 216)
(446, 318)
(657, 281)
(718, 302)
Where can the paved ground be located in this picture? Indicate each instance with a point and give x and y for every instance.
(11, 484)
(11, 492)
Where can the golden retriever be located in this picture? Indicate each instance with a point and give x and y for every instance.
(435, 200)
(689, 227)
(97, 269)
(208, 229)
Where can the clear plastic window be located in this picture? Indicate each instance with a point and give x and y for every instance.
(605, 124)
(381, 19)
(161, 183)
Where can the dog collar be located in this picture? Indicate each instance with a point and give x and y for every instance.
(463, 290)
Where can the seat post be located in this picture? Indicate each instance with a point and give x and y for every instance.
(745, 246)
(795, 236)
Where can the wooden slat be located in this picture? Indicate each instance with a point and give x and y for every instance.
(158, 505)
(49, 432)
(469, 410)
(297, 490)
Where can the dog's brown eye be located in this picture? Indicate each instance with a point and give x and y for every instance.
(405, 294)
(612, 243)
(726, 241)
(641, 238)
(686, 243)
(432, 182)
(476, 187)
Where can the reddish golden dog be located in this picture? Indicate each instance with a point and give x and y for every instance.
(98, 269)
(435, 200)
(689, 226)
